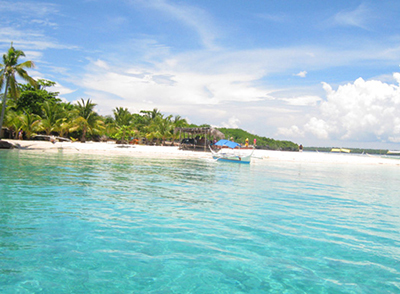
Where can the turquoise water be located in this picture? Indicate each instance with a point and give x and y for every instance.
(96, 224)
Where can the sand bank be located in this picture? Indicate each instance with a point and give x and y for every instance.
(174, 152)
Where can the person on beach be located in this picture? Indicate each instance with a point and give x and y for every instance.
(247, 142)
(20, 136)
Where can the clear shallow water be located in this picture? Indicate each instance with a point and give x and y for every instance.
(93, 224)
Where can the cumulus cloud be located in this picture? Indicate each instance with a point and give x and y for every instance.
(301, 74)
(292, 132)
(63, 90)
(362, 110)
(232, 123)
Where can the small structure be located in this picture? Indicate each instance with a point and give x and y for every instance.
(195, 138)
(340, 150)
(230, 154)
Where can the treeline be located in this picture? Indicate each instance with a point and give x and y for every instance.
(39, 111)
(353, 150)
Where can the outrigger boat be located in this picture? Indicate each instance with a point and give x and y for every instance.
(393, 152)
(231, 152)
(340, 150)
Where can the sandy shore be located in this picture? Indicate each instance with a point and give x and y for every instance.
(174, 152)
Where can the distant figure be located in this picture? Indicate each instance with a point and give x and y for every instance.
(232, 139)
(20, 135)
(53, 139)
(247, 142)
(301, 148)
(254, 142)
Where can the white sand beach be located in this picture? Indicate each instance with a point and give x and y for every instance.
(111, 148)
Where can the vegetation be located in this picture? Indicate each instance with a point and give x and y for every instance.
(353, 150)
(240, 136)
(9, 69)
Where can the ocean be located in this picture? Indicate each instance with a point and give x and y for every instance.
(76, 223)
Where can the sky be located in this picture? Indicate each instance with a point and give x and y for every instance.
(317, 73)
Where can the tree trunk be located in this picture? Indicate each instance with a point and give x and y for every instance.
(3, 110)
(83, 139)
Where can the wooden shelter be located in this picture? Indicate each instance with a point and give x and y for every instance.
(201, 133)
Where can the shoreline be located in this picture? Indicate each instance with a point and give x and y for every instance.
(102, 148)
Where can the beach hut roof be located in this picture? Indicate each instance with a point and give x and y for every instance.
(211, 131)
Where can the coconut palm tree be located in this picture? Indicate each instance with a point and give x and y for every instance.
(178, 122)
(30, 124)
(123, 122)
(13, 122)
(87, 120)
(164, 127)
(9, 68)
(53, 117)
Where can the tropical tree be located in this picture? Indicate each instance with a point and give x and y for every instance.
(67, 123)
(178, 122)
(164, 127)
(53, 117)
(30, 123)
(13, 122)
(9, 69)
(123, 122)
(32, 98)
(87, 120)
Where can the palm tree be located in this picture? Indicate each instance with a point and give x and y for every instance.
(13, 122)
(9, 68)
(87, 119)
(53, 117)
(164, 127)
(123, 121)
(178, 122)
(122, 116)
(30, 124)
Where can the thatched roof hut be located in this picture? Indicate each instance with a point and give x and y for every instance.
(193, 132)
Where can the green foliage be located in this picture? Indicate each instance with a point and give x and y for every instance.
(32, 98)
(8, 71)
(86, 120)
(240, 136)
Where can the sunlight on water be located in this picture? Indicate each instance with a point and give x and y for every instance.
(90, 224)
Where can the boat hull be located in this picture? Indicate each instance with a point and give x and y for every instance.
(237, 159)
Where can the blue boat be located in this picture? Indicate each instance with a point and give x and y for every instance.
(230, 151)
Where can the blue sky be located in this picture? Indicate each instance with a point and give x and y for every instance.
(319, 73)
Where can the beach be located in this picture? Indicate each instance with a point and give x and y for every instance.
(110, 148)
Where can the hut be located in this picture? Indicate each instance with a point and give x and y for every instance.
(196, 138)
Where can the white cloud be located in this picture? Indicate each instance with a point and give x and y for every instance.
(363, 110)
(318, 127)
(303, 100)
(27, 8)
(27, 39)
(301, 74)
(291, 132)
(191, 16)
(357, 17)
(61, 89)
(161, 88)
(232, 123)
